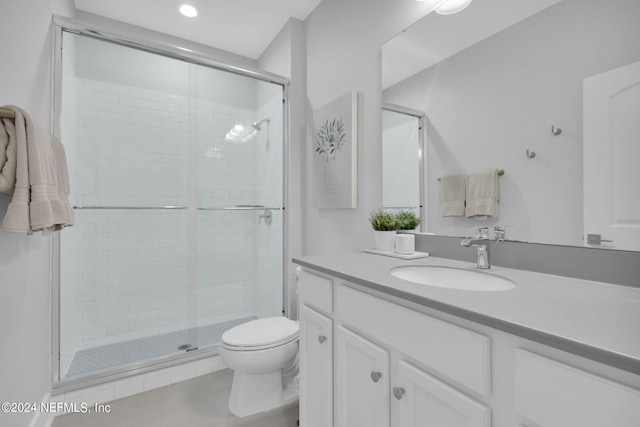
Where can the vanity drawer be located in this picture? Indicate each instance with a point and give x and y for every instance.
(316, 291)
(455, 352)
(553, 394)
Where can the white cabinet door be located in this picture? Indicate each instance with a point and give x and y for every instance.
(426, 401)
(316, 369)
(554, 394)
(361, 381)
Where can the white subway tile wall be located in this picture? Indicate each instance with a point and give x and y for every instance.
(125, 273)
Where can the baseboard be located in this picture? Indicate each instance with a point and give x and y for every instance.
(43, 418)
(126, 387)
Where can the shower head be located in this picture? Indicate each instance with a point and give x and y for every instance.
(258, 125)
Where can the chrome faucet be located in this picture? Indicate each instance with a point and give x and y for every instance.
(481, 242)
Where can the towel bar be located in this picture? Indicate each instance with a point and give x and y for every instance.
(129, 207)
(201, 208)
(500, 173)
(239, 208)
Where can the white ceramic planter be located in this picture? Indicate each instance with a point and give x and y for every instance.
(385, 240)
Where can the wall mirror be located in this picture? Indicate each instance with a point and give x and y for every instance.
(402, 160)
(502, 80)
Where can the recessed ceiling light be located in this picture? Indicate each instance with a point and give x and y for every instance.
(188, 10)
(452, 6)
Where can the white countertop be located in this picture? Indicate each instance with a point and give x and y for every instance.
(599, 321)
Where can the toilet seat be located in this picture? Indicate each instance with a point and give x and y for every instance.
(261, 334)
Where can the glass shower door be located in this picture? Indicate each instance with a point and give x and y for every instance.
(123, 266)
(178, 202)
(240, 200)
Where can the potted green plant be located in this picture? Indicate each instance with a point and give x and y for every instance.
(407, 220)
(384, 225)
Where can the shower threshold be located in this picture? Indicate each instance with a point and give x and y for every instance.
(110, 356)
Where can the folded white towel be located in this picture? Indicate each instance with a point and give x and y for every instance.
(483, 194)
(40, 199)
(452, 195)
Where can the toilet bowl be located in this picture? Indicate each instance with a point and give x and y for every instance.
(263, 354)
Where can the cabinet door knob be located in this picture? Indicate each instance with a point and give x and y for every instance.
(321, 339)
(398, 392)
(375, 376)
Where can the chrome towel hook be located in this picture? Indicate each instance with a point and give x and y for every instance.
(555, 131)
(531, 154)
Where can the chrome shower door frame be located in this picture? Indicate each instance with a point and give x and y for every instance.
(138, 38)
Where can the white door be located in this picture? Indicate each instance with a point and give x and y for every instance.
(424, 401)
(361, 382)
(612, 157)
(316, 369)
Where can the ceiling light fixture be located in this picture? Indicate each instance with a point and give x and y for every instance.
(188, 10)
(452, 6)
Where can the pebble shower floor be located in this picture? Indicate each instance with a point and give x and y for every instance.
(125, 353)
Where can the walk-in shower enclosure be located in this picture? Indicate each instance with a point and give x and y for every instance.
(178, 202)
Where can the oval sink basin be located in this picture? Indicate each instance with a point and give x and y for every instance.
(453, 278)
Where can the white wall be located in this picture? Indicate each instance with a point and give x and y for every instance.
(25, 301)
(343, 42)
(491, 102)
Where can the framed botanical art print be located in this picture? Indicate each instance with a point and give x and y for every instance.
(335, 153)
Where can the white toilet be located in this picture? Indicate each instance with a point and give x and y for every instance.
(263, 354)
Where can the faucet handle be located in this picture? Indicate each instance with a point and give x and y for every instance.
(482, 232)
(500, 232)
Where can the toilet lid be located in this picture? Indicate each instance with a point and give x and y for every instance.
(261, 332)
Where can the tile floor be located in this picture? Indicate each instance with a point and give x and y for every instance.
(124, 353)
(200, 402)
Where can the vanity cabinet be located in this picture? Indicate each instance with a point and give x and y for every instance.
(361, 381)
(388, 362)
(363, 374)
(316, 350)
(369, 385)
(423, 400)
(377, 373)
(554, 394)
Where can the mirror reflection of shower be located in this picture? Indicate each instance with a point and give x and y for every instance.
(240, 134)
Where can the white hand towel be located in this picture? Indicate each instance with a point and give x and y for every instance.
(7, 156)
(483, 194)
(452, 195)
(40, 199)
